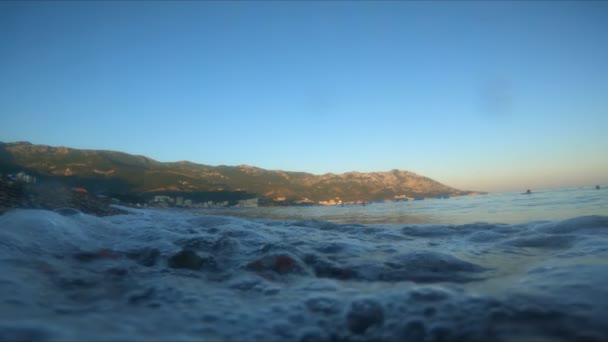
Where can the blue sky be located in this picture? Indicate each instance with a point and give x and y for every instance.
(495, 96)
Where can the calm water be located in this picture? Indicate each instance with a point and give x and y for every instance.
(494, 208)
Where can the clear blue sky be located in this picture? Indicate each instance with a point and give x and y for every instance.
(494, 96)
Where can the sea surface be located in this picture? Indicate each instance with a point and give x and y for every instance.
(504, 267)
(515, 207)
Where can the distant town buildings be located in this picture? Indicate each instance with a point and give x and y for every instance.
(336, 201)
(248, 203)
(161, 198)
(164, 201)
(22, 177)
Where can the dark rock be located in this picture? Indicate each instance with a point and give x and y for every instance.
(190, 260)
(414, 331)
(429, 312)
(282, 263)
(363, 314)
(423, 266)
(145, 256)
(334, 272)
(441, 333)
(327, 269)
(85, 256)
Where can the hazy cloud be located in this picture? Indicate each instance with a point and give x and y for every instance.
(495, 97)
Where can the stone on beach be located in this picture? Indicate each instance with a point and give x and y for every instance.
(190, 260)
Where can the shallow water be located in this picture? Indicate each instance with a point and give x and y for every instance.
(164, 275)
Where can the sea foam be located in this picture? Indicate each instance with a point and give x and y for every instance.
(160, 275)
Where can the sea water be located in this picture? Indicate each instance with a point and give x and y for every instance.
(513, 207)
(505, 267)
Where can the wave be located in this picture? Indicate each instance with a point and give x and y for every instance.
(159, 275)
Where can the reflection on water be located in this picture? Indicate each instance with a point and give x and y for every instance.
(496, 208)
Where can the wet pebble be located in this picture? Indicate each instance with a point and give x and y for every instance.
(423, 266)
(278, 263)
(414, 331)
(190, 260)
(327, 269)
(145, 256)
(363, 314)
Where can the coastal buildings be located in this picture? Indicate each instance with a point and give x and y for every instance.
(185, 199)
(164, 201)
(248, 203)
(22, 177)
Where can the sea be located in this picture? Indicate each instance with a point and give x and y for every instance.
(512, 207)
(496, 267)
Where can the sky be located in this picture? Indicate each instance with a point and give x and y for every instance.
(490, 96)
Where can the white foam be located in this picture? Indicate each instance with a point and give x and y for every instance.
(81, 277)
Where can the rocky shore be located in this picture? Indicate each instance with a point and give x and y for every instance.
(51, 196)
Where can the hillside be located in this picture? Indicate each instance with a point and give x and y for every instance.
(111, 172)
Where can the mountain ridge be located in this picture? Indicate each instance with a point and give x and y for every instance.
(115, 172)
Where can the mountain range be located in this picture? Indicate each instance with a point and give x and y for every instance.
(121, 174)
